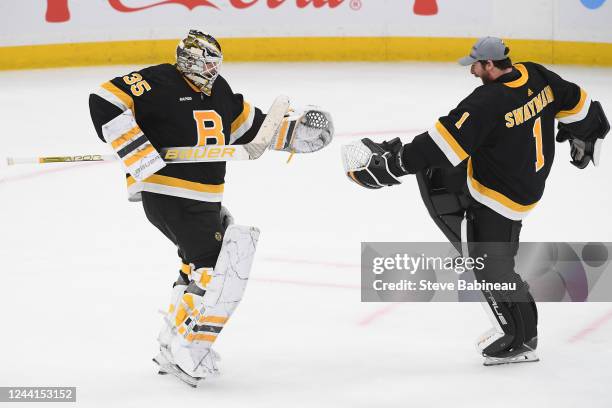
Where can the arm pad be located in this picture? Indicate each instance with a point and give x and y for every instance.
(136, 153)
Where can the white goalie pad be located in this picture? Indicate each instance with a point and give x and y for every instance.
(135, 152)
(231, 273)
(198, 320)
(305, 131)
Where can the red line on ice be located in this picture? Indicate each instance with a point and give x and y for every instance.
(43, 172)
(305, 283)
(597, 324)
(378, 314)
(380, 132)
(309, 262)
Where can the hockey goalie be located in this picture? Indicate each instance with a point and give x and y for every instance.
(188, 104)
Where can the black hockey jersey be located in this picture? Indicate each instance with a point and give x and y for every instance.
(171, 111)
(505, 131)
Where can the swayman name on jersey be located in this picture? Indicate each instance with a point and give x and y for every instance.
(521, 115)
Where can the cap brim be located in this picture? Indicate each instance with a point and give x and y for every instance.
(465, 61)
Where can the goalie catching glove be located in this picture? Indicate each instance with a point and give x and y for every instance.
(374, 165)
(304, 131)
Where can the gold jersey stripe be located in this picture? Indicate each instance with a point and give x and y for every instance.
(123, 97)
(126, 137)
(242, 118)
(176, 182)
(448, 137)
(495, 195)
(522, 80)
(139, 155)
(576, 109)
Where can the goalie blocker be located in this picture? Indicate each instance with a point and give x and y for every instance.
(586, 136)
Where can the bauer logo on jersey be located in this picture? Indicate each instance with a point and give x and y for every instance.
(179, 154)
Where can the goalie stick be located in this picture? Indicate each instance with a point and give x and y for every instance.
(198, 154)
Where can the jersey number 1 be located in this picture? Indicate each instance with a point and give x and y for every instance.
(537, 134)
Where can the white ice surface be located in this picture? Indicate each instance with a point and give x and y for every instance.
(83, 273)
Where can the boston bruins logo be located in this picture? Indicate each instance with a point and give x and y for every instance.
(218, 236)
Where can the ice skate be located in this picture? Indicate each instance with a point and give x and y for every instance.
(523, 354)
(165, 366)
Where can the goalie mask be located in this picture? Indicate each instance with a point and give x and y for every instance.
(198, 57)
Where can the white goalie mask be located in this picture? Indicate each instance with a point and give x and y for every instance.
(198, 57)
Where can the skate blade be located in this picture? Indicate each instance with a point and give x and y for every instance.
(167, 368)
(526, 357)
(161, 369)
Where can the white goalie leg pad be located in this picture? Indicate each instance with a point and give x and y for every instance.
(200, 319)
(166, 332)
